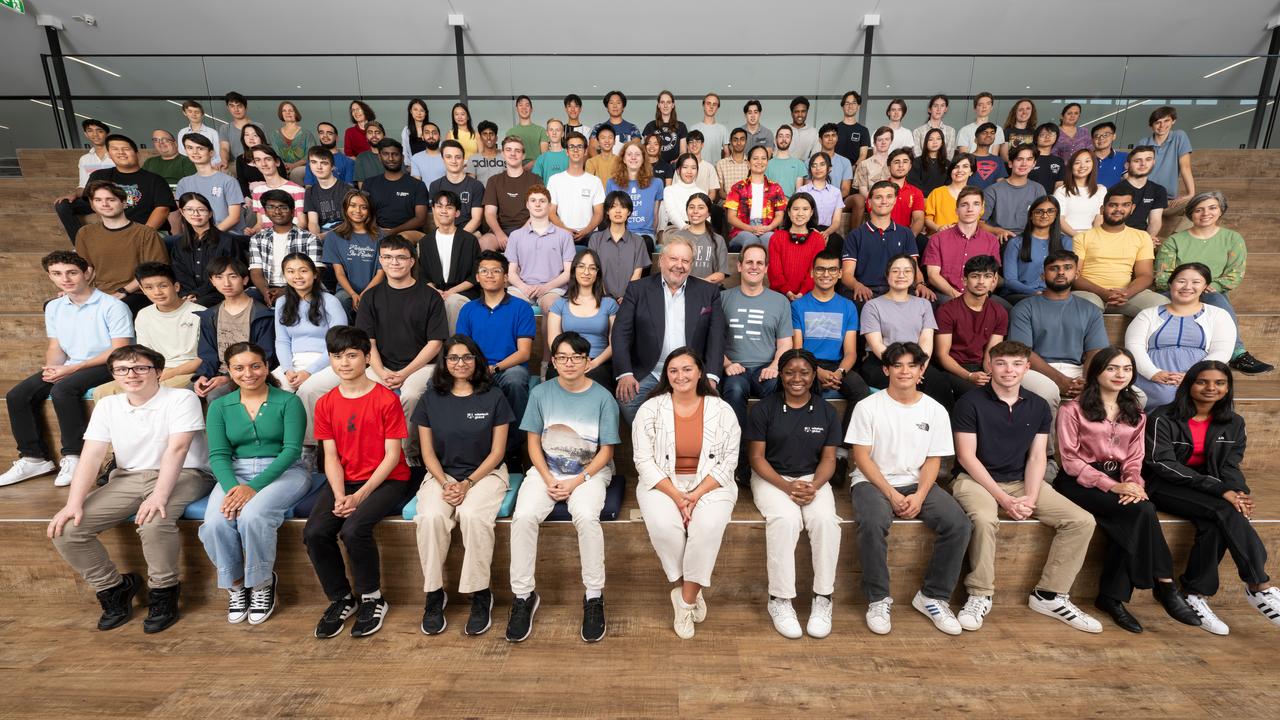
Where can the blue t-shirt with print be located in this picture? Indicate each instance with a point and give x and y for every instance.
(643, 220)
(824, 324)
(357, 256)
(573, 425)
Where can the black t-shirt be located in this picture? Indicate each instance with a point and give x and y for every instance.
(326, 203)
(664, 171)
(144, 191)
(394, 200)
(1004, 434)
(247, 174)
(1047, 172)
(1151, 196)
(670, 139)
(793, 438)
(470, 191)
(927, 177)
(402, 321)
(850, 139)
(462, 427)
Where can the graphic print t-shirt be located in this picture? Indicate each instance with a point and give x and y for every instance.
(573, 425)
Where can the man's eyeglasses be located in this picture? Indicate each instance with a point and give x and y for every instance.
(569, 359)
(138, 370)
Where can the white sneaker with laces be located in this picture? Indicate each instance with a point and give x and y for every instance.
(237, 605)
(878, 616)
(25, 468)
(1061, 608)
(1267, 602)
(1209, 620)
(699, 609)
(973, 612)
(784, 617)
(819, 617)
(937, 611)
(67, 470)
(683, 622)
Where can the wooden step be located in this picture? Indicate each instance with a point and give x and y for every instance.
(26, 195)
(59, 163)
(1261, 230)
(38, 232)
(1210, 165)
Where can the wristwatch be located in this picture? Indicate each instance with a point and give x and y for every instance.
(586, 477)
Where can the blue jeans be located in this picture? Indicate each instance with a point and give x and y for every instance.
(647, 384)
(246, 547)
(514, 384)
(743, 239)
(736, 389)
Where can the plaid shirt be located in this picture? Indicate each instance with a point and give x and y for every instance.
(262, 255)
(738, 201)
(731, 173)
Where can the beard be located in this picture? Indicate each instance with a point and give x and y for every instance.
(1056, 286)
(393, 167)
(432, 146)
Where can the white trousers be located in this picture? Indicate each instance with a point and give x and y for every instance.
(783, 521)
(689, 553)
(533, 505)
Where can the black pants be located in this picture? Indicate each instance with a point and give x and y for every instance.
(852, 388)
(70, 213)
(958, 386)
(136, 301)
(25, 399)
(1220, 528)
(934, 384)
(356, 531)
(1137, 553)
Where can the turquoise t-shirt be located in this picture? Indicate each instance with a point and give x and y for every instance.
(573, 426)
(549, 163)
(785, 172)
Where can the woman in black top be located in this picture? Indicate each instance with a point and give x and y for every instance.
(1194, 448)
(199, 242)
(670, 131)
(251, 136)
(462, 422)
(929, 171)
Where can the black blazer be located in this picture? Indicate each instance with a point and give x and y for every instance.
(641, 322)
(1169, 448)
(462, 261)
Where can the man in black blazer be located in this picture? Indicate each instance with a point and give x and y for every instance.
(458, 285)
(640, 341)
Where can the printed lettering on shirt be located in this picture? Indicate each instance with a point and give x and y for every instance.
(401, 194)
(484, 415)
(216, 191)
(813, 430)
(922, 426)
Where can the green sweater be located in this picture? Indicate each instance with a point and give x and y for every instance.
(1224, 253)
(276, 432)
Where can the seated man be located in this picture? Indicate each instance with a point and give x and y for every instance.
(72, 206)
(908, 204)
(826, 324)
(867, 248)
(238, 318)
(899, 438)
(841, 172)
(604, 162)
(322, 202)
(1150, 199)
(399, 200)
(362, 426)
(970, 326)
(988, 168)
(759, 331)
(1172, 157)
(540, 253)
(469, 191)
(162, 465)
(487, 161)
(577, 196)
(368, 163)
(220, 189)
(168, 163)
(505, 202)
(504, 329)
(947, 255)
(1110, 162)
(1117, 262)
(572, 426)
(269, 247)
(344, 168)
(83, 325)
(1001, 438)
(116, 246)
(1005, 204)
(428, 165)
(149, 199)
(670, 299)
(448, 255)
(170, 326)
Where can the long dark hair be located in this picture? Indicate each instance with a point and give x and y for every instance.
(190, 240)
(940, 162)
(454, 122)
(1183, 408)
(262, 134)
(813, 212)
(442, 382)
(1091, 396)
(597, 287)
(346, 229)
(1090, 182)
(289, 312)
(663, 387)
(410, 122)
(247, 347)
(1055, 230)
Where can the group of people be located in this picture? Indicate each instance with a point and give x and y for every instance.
(392, 354)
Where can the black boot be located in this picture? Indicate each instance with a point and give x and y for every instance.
(162, 609)
(117, 602)
(1119, 613)
(1168, 596)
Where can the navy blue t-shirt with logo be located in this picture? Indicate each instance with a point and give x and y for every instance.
(793, 437)
(394, 200)
(462, 427)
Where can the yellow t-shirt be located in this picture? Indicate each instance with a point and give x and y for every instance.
(1107, 258)
(940, 207)
(470, 142)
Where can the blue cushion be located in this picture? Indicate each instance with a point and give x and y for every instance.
(410, 510)
(508, 501)
(196, 510)
(612, 502)
(304, 506)
(88, 394)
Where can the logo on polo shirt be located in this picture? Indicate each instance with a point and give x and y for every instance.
(813, 430)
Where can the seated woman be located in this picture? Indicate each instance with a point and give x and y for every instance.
(929, 171)
(351, 249)
(793, 438)
(1100, 441)
(1080, 195)
(463, 421)
(827, 200)
(1024, 254)
(1223, 252)
(940, 204)
(899, 316)
(676, 195)
(198, 242)
(255, 446)
(586, 310)
(1167, 340)
(686, 451)
(794, 245)
(251, 136)
(1194, 449)
(711, 252)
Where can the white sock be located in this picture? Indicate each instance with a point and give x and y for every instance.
(688, 606)
(593, 594)
(524, 596)
(375, 595)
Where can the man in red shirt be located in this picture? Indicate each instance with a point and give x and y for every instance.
(948, 252)
(970, 326)
(908, 211)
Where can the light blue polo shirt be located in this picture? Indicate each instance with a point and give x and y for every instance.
(85, 331)
(1165, 170)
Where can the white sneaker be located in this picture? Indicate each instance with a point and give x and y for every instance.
(1063, 609)
(973, 612)
(67, 470)
(784, 617)
(878, 616)
(25, 468)
(1267, 602)
(819, 617)
(1209, 620)
(684, 616)
(699, 609)
(937, 611)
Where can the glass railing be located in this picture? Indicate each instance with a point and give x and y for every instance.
(1216, 96)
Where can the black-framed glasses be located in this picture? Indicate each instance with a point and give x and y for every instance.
(569, 359)
(460, 359)
(138, 370)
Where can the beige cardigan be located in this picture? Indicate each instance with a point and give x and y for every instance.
(653, 440)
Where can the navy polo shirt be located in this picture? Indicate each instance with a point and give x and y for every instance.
(496, 329)
(793, 437)
(872, 248)
(1005, 432)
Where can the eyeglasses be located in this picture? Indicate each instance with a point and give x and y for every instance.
(826, 271)
(138, 370)
(1044, 211)
(395, 258)
(576, 146)
(589, 268)
(195, 210)
(276, 206)
(569, 359)
(489, 271)
(459, 359)
(158, 140)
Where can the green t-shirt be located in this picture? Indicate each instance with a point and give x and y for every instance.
(171, 170)
(533, 137)
(785, 172)
(1224, 253)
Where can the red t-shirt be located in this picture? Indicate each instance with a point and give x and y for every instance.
(970, 330)
(1199, 429)
(360, 428)
(910, 199)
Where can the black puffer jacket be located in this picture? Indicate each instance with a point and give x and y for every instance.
(1169, 448)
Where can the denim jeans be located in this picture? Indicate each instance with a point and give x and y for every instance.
(1220, 300)
(629, 410)
(737, 389)
(246, 547)
(514, 384)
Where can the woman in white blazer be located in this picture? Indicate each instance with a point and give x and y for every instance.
(686, 443)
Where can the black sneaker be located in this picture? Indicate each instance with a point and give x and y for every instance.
(333, 619)
(162, 609)
(117, 602)
(520, 624)
(593, 619)
(1250, 365)
(237, 605)
(262, 601)
(433, 622)
(481, 613)
(369, 617)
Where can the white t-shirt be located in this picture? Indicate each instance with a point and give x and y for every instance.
(90, 162)
(139, 435)
(804, 141)
(967, 136)
(1080, 210)
(575, 198)
(279, 248)
(757, 203)
(444, 248)
(175, 335)
(901, 437)
(902, 138)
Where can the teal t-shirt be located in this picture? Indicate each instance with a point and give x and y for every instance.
(573, 426)
(785, 172)
(549, 163)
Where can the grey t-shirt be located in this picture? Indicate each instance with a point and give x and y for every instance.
(230, 134)
(710, 253)
(755, 325)
(762, 138)
(220, 189)
(1009, 204)
(619, 259)
(898, 321)
(1058, 330)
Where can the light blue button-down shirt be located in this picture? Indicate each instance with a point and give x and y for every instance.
(673, 335)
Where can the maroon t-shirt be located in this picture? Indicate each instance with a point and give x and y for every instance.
(971, 330)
